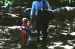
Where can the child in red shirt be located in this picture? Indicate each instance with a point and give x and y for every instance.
(24, 28)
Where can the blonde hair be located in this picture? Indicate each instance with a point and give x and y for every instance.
(24, 20)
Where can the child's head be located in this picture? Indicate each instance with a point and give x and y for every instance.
(24, 20)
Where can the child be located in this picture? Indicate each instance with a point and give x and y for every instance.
(30, 32)
(32, 37)
(24, 28)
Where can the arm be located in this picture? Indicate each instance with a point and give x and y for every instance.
(49, 8)
(32, 13)
(21, 29)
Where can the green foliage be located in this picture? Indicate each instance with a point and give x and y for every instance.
(7, 2)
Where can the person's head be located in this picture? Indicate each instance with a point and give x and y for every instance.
(24, 20)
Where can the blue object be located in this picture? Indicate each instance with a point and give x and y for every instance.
(38, 5)
(32, 32)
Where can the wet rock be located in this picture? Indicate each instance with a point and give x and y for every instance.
(59, 48)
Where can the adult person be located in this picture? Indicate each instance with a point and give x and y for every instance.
(40, 17)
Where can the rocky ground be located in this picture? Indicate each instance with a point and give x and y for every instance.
(10, 38)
